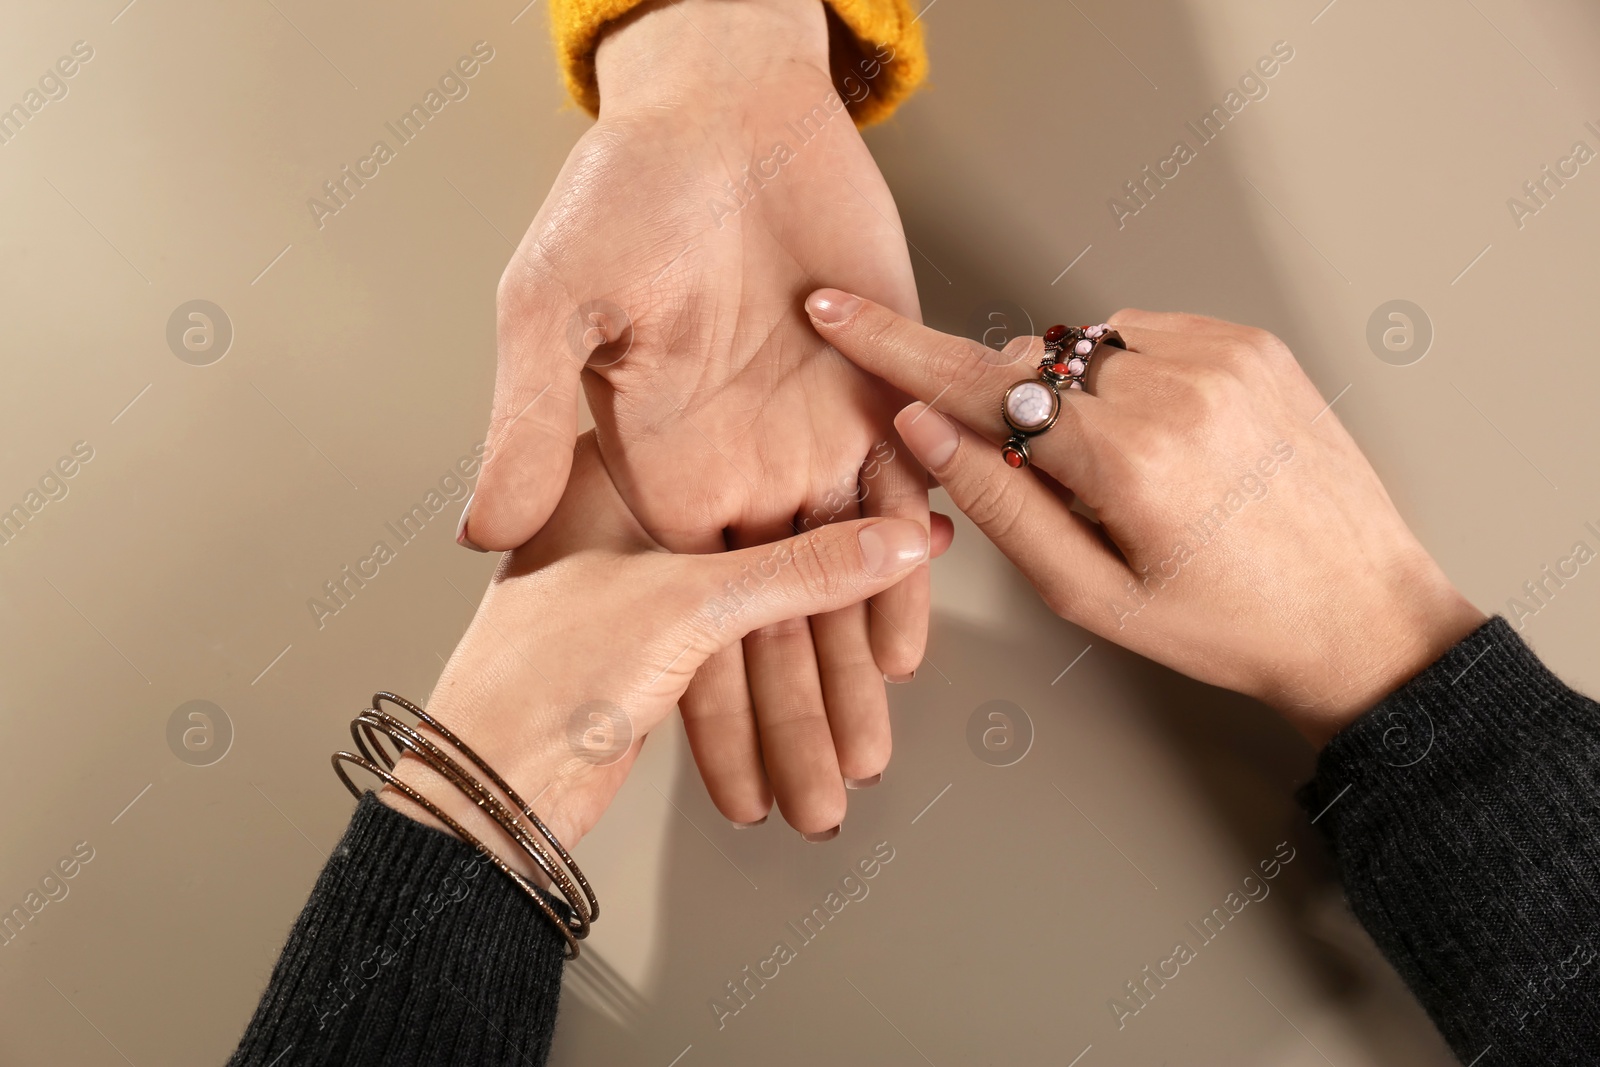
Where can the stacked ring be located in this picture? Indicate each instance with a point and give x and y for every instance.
(1031, 406)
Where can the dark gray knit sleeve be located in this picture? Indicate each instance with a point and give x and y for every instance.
(413, 949)
(1463, 813)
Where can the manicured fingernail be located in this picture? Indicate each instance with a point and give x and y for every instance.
(748, 825)
(831, 305)
(863, 783)
(461, 529)
(899, 679)
(826, 835)
(929, 435)
(890, 546)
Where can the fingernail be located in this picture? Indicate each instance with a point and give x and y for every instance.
(461, 528)
(826, 835)
(863, 783)
(831, 305)
(899, 679)
(748, 825)
(890, 546)
(929, 435)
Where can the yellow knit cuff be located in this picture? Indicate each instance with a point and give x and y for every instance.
(893, 59)
(889, 60)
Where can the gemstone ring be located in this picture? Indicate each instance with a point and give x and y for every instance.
(1031, 406)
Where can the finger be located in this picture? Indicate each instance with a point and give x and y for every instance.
(817, 571)
(720, 722)
(535, 414)
(956, 375)
(719, 719)
(960, 378)
(1112, 367)
(591, 515)
(1177, 322)
(796, 742)
(797, 745)
(1162, 366)
(814, 573)
(1056, 549)
(1182, 346)
(941, 533)
(853, 694)
(893, 486)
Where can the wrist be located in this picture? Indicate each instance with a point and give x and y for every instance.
(552, 780)
(688, 51)
(1393, 645)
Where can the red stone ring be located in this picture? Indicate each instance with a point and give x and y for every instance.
(1031, 406)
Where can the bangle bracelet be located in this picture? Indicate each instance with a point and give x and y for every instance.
(373, 721)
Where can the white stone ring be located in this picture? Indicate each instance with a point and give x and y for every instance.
(1031, 406)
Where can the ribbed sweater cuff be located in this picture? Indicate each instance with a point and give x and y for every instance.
(887, 59)
(409, 943)
(1462, 813)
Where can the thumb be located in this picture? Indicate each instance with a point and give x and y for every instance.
(534, 422)
(823, 570)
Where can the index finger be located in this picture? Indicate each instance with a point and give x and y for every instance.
(962, 378)
(948, 373)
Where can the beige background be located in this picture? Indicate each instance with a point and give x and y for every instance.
(179, 564)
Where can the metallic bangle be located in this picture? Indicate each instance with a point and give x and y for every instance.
(376, 760)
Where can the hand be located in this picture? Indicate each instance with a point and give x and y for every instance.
(591, 632)
(1243, 539)
(723, 419)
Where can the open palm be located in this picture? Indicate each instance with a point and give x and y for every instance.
(667, 271)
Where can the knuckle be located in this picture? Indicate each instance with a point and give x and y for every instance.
(1151, 449)
(819, 565)
(508, 288)
(1234, 354)
(1213, 387)
(955, 353)
(995, 506)
(528, 284)
(961, 367)
(1261, 342)
(514, 291)
(781, 632)
(1189, 322)
(725, 710)
(879, 329)
(969, 370)
(1060, 599)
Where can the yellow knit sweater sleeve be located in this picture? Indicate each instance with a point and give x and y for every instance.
(891, 63)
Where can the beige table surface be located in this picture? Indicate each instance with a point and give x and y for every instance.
(219, 498)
